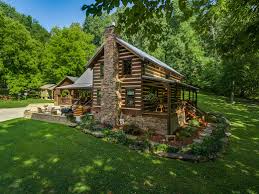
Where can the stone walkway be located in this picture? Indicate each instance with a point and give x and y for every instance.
(206, 133)
(13, 113)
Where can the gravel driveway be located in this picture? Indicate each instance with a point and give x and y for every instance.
(13, 113)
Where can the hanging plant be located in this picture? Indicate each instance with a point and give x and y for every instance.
(65, 93)
(151, 97)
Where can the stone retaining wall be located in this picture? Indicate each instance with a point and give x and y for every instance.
(158, 124)
(50, 118)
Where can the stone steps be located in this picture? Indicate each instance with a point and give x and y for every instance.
(205, 133)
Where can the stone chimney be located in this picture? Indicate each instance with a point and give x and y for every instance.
(110, 110)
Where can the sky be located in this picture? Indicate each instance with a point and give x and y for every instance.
(52, 13)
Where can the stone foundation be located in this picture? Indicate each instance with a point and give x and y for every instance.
(146, 122)
(158, 124)
(50, 118)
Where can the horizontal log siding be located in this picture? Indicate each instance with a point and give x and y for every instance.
(97, 80)
(157, 71)
(133, 81)
(162, 95)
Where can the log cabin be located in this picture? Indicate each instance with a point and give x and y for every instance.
(133, 87)
(81, 90)
(63, 96)
(47, 91)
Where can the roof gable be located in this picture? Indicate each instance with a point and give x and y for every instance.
(71, 78)
(143, 55)
(146, 56)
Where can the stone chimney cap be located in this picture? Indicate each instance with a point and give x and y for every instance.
(111, 26)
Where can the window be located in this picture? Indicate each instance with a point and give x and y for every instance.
(130, 97)
(127, 66)
(98, 94)
(143, 69)
(101, 70)
(167, 76)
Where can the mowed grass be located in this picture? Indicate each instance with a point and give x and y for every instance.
(39, 157)
(21, 103)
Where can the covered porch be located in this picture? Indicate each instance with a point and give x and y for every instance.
(78, 93)
(70, 95)
(168, 99)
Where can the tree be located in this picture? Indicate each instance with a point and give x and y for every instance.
(66, 53)
(230, 30)
(96, 24)
(223, 50)
(32, 25)
(19, 56)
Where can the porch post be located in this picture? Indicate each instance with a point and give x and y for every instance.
(183, 92)
(196, 100)
(169, 96)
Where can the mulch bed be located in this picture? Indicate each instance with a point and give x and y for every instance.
(177, 142)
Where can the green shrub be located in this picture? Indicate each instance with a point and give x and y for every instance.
(194, 123)
(140, 145)
(132, 129)
(186, 132)
(71, 117)
(210, 145)
(116, 137)
(160, 148)
(87, 122)
(164, 148)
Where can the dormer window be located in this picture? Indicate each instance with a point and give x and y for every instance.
(127, 67)
(101, 70)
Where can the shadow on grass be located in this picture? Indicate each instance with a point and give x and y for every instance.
(38, 157)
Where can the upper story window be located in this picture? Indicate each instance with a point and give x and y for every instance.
(143, 68)
(101, 70)
(127, 67)
(130, 97)
(167, 76)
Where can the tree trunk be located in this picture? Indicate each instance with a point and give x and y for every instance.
(232, 92)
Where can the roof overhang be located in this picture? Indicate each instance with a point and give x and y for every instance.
(99, 50)
(163, 80)
(76, 86)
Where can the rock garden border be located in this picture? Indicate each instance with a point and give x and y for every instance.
(210, 145)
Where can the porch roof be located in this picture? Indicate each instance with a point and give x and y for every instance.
(85, 81)
(48, 87)
(169, 81)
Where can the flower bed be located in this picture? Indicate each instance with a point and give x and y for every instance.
(144, 141)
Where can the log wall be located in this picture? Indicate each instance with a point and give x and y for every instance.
(160, 72)
(134, 81)
(97, 80)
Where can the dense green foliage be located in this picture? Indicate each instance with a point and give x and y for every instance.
(30, 56)
(96, 26)
(20, 55)
(213, 43)
(39, 157)
(36, 30)
(66, 53)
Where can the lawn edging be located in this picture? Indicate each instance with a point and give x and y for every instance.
(210, 148)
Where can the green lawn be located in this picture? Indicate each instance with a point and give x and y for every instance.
(38, 157)
(21, 103)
